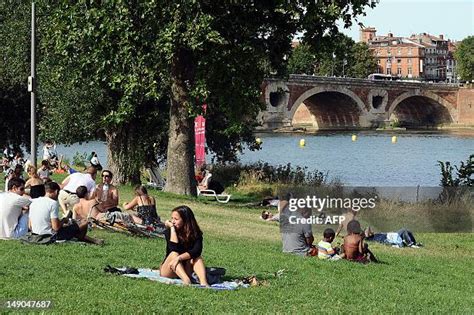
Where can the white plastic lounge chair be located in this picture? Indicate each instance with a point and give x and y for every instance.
(222, 198)
(156, 181)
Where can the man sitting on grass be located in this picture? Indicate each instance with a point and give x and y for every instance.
(354, 247)
(14, 210)
(44, 219)
(297, 238)
(92, 208)
(106, 194)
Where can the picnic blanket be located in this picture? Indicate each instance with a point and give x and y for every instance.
(154, 275)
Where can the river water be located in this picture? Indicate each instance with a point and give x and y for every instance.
(371, 160)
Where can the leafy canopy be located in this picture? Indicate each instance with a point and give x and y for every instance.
(14, 70)
(464, 56)
(124, 51)
(337, 55)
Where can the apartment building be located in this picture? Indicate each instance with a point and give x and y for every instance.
(422, 56)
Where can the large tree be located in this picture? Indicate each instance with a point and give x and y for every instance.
(143, 56)
(14, 70)
(464, 56)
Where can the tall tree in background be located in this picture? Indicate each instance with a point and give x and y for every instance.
(361, 62)
(464, 56)
(302, 60)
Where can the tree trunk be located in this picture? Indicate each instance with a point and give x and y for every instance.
(180, 157)
(123, 156)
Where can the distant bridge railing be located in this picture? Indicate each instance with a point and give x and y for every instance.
(311, 79)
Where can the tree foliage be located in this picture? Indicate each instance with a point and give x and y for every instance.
(464, 56)
(130, 70)
(302, 60)
(337, 55)
(14, 70)
(99, 80)
(362, 61)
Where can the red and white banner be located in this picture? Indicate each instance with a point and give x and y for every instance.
(200, 138)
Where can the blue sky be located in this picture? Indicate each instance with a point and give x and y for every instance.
(453, 18)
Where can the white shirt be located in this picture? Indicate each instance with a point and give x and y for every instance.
(42, 210)
(49, 152)
(80, 179)
(46, 153)
(11, 205)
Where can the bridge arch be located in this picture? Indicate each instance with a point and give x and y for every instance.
(328, 108)
(421, 108)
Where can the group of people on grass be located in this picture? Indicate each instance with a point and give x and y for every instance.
(298, 238)
(81, 200)
(64, 211)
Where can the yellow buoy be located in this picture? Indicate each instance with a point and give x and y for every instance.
(354, 137)
(302, 143)
(394, 139)
(258, 141)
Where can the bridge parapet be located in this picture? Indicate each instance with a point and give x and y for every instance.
(311, 80)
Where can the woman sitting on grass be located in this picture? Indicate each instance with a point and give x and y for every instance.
(35, 184)
(145, 207)
(183, 247)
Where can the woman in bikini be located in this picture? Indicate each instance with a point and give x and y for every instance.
(145, 212)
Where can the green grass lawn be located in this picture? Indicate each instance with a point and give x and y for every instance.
(437, 278)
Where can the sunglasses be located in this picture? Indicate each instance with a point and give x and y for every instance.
(106, 176)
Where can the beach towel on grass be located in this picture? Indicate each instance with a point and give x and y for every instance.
(155, 276)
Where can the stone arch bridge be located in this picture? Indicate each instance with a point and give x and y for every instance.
(314, 103)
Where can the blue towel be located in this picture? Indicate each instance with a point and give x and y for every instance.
(155, 276)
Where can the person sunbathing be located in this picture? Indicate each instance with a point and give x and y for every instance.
(354, 247)
(85, 208)
(401, 238)
(145, 207)
(183, 247)
(268, 216)
(202, 178)
(35, 184)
